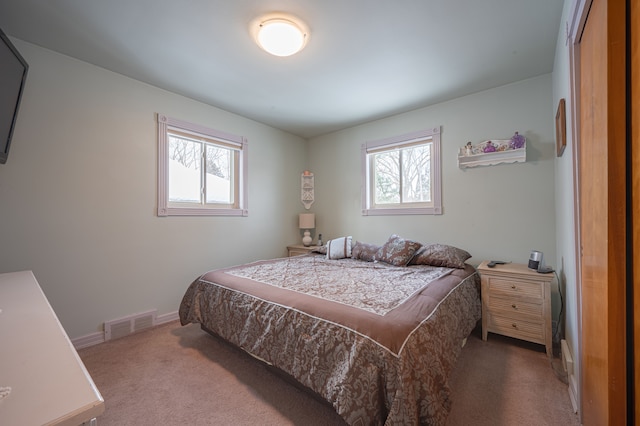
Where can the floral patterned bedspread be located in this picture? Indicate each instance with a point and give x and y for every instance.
(344, 281)
(376, 341)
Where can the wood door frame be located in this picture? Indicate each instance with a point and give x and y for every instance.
(617, 391)
(577, 22)
(635, 201)
(604, 389)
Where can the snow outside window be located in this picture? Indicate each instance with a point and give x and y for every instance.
(201, 171)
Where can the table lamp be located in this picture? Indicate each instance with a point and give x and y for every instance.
(307, 221)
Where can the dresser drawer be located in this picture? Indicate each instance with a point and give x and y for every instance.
(515, 288)
(520, 329)
(515, 308)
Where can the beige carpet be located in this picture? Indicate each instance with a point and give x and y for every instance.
(506, 381)
(173, 375)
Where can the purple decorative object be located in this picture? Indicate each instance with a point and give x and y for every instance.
(489, 147)
(517, 141)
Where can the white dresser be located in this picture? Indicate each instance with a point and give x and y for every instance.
(49, 383)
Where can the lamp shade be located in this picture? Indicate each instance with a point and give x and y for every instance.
(307, 220)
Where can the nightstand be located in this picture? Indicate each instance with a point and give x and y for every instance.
(299, 249)
(516, 302)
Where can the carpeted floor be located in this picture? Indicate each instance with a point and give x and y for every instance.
(173, 375)
(506, 381)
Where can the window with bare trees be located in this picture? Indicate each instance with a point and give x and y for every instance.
(401, 175)
(202, 172)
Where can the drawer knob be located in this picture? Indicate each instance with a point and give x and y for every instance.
(514, 306)
(514, 325)
(513, 286)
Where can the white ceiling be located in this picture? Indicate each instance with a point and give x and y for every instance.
(365, 59)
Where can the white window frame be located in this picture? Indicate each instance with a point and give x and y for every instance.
(166, 208)
(435, 207)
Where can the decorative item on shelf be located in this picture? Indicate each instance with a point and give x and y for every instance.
(489, 147)
(320, 240)
(492, 152)
(517, 141)
(468, 149)
(307, 221)
(307, 191)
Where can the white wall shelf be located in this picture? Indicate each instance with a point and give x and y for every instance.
(475, 155)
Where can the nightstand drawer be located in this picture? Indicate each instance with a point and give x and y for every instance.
(299, 250)
(294, 252)
(515, 308)
(526, 330)
(511, 288)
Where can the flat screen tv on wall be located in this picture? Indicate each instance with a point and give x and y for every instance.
(13, 74)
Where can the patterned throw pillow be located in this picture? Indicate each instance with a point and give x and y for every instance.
(397, 251)
(441, 255)
(364, 251)
(339, 248)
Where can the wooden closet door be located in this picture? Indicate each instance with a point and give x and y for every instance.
(602, 192)
(635, 191)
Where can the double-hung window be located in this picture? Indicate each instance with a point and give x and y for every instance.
(201, 171)
(401, 175)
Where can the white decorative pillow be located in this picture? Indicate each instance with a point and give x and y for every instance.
(339, 248)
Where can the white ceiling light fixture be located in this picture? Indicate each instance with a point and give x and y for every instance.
(280, 34)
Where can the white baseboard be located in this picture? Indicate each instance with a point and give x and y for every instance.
(88, 340)
(567, 362)
(98, 337)
(171, 316)
(567, 358)
(573, 393)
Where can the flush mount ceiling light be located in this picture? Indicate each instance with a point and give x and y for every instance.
(280, 34)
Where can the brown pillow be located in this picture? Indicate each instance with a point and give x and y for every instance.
(397, 251)
(364, 251)
(440, 255)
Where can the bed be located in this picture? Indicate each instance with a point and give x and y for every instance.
(375, 337)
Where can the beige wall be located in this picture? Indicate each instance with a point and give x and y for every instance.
(78, 195)
(497, 212)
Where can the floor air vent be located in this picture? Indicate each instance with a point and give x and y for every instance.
(131, 324)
